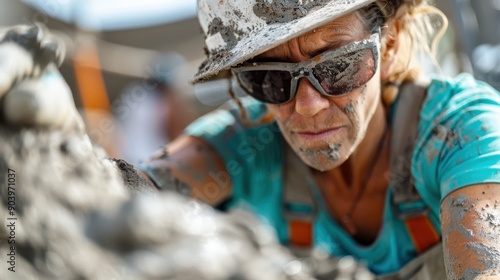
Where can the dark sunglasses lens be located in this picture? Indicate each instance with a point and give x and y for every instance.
(346, 73)
(268, 86)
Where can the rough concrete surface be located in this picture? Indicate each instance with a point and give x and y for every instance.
(76, 219)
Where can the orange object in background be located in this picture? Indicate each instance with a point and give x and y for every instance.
(90, 82)
(100, 123)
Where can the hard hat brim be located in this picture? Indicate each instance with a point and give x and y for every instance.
(273, 35)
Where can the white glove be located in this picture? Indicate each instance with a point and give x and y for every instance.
(32, 91)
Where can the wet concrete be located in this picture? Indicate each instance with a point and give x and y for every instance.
(229, 34)
(474, 231)
(282, 11)
(78, 219)
(490, 256)
(459, 206)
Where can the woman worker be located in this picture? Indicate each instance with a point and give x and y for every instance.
(345, 146)
(321, 154)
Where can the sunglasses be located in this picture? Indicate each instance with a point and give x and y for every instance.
(333, 73)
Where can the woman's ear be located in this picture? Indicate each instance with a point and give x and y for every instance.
(389, 50)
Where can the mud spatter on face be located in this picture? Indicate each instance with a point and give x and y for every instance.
(282, 11)
(349, 109)
(334, 153)
(316, 157)
(331, 152)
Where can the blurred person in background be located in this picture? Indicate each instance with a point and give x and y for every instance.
(347, 147)
(159, 107)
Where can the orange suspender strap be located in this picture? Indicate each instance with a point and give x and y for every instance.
(298, 206)
(301, 233)
(422, 232)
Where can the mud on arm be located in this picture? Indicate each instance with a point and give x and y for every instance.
(470, 219)
(190, 167)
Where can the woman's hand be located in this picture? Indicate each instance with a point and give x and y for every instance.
(32, 92)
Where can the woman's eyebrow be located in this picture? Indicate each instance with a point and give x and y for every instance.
(312, 53)
(330, 46)
(330, 42)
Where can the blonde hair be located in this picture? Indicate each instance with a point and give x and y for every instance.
(421, 27)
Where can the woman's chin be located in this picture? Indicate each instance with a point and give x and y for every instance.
(322, 159)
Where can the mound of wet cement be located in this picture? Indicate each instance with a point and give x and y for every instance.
(78, 217)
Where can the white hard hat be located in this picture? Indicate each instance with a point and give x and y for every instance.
(237, 30)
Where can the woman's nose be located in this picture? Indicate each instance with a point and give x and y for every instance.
(308, 101)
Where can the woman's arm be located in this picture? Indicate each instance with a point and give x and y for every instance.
(189, 166)
(470, 219)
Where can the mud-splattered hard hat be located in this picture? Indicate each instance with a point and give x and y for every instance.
(237, 30)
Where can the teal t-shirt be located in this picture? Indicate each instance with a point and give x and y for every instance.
(458, 145)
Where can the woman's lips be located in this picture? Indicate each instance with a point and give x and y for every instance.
(321, 135)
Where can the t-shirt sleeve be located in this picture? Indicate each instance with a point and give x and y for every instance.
(459, 136)
(251, 152)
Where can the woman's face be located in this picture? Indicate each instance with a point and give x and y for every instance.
(324, 131)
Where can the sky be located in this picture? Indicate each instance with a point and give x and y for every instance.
(117, 14)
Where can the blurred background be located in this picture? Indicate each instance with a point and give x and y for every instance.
(129, 62)
(129, 65)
